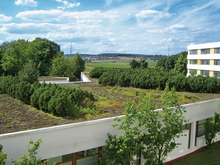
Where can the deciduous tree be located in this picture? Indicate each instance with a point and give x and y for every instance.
(212, 127)
(3, 156)
(153, 133)
(181, 64)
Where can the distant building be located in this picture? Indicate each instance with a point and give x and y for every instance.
(204, 59)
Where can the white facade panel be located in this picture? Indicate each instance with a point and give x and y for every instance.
(204, 67)
(65, 139)
(204, 57)
(204, 46)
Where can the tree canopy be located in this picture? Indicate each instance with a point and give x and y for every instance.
(146, 132)
(174, 61)
(14, 54)
(67, 67)
(142, 64)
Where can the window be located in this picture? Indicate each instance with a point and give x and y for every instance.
(216, 62)
(192, 52)
(217, 51)
(205, 62)
(200, 128)
(205, 72)
(80, 158)
(67, 159)
(193, 61)
(87, 153)
(217, 74)
(205, 51)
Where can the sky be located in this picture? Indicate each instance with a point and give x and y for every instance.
(152, 27)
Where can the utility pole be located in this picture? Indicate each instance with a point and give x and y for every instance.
(168, 50)
(71, 49)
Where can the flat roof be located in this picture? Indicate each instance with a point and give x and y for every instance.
(204, 46)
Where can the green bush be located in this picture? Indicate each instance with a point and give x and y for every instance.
(3, 156)
(154, 78)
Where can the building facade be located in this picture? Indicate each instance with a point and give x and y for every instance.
(83, 143)
(204, 59)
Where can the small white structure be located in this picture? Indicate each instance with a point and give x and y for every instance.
(204, 59)
(74, 144)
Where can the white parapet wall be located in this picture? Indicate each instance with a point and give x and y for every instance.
(84, 78)
(71, 138)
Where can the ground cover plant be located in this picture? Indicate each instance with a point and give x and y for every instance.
(50, 98)
(17, 116)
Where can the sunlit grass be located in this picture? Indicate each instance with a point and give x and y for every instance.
(208, 156)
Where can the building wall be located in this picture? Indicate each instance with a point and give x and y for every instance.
(71, 138)
(199, 56)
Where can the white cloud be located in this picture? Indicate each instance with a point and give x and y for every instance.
(153, 14)
(4, 18)
(40, 15)
(62, 16)
(28, 28)
(146, 26)
(67, 4)
(178, 27)
(31, 3)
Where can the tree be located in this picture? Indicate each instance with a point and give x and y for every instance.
(14, 56)
(42, 51)
(2, 51)
(58, 66)
(16, 53)
(79, 65)
(3, 156)
(29, 72)
(67, 67)
(143, 64)
(181, 64)
(212, 127)
(145, 130)
(134, 64)
(31, 158)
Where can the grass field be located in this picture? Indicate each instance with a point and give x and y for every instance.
(208, 156)
(113, 64)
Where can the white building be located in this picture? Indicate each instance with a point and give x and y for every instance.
(74, 144)
(204, 59)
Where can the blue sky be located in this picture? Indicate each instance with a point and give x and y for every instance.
(113, 26)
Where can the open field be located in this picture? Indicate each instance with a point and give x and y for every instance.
(16, 116)
(122, 63)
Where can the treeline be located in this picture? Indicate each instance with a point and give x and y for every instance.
(177, 62)
(43, 53)
(14, 54)
(50, 98)
(154, 78)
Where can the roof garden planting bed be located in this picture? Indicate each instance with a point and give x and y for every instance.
(17, 116)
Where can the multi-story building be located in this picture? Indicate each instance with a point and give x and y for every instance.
(204, 59)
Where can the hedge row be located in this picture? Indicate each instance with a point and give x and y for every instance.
(98, 71)
(50, 98)
(158, 78)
